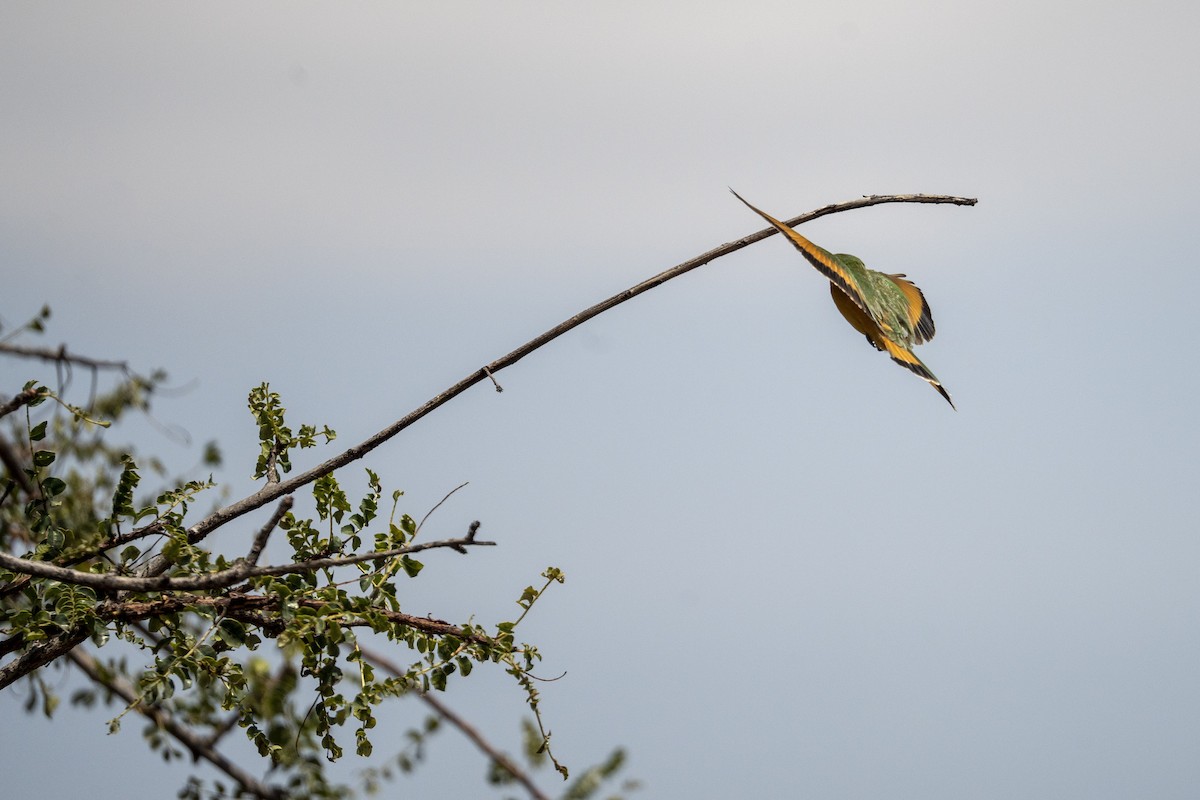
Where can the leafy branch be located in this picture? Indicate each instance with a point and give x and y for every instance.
(242, 571)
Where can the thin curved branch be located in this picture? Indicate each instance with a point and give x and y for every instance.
(153, 529)
(271, 491)
(500, 759)
(260, 540)
(468, 730)
(438, 505)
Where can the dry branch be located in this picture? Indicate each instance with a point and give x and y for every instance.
(272, 491)
(61, 355)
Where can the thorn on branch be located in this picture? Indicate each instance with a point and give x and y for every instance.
(488, 372)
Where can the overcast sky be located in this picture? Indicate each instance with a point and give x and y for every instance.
(792, 569)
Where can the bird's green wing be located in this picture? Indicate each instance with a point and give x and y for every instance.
(919, 316)
(896, 305)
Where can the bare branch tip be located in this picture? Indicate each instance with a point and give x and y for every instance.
(488, 372)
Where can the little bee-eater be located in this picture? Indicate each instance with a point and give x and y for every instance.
(889, 310)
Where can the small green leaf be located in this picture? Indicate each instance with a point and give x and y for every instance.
(232, 632)
(55, 539)
(53, 486)
(38, 432)
(43, 458)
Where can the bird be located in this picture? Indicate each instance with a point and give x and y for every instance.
(890, 311)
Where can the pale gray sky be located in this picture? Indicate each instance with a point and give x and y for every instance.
(791, 569)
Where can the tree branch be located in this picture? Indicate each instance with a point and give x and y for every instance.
(153, 529)
(468, 730)
(199, 747)
(22, 398)
(260, 541)
(254, 608)
(61, 355)
(241, 571)
(273, 490)
(40, 654)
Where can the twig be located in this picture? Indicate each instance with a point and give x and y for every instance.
(429, 513)
(196, 745)
(472, 529)
(468, 730)
(488, 372)
(272, 491)
(153, 529)
(221, 730)
(221, 579)
(62, 356)
(260, 541)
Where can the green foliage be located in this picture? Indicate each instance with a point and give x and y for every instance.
(192, 656)
(276, 440)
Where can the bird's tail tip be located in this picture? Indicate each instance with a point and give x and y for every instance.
(942, 391)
